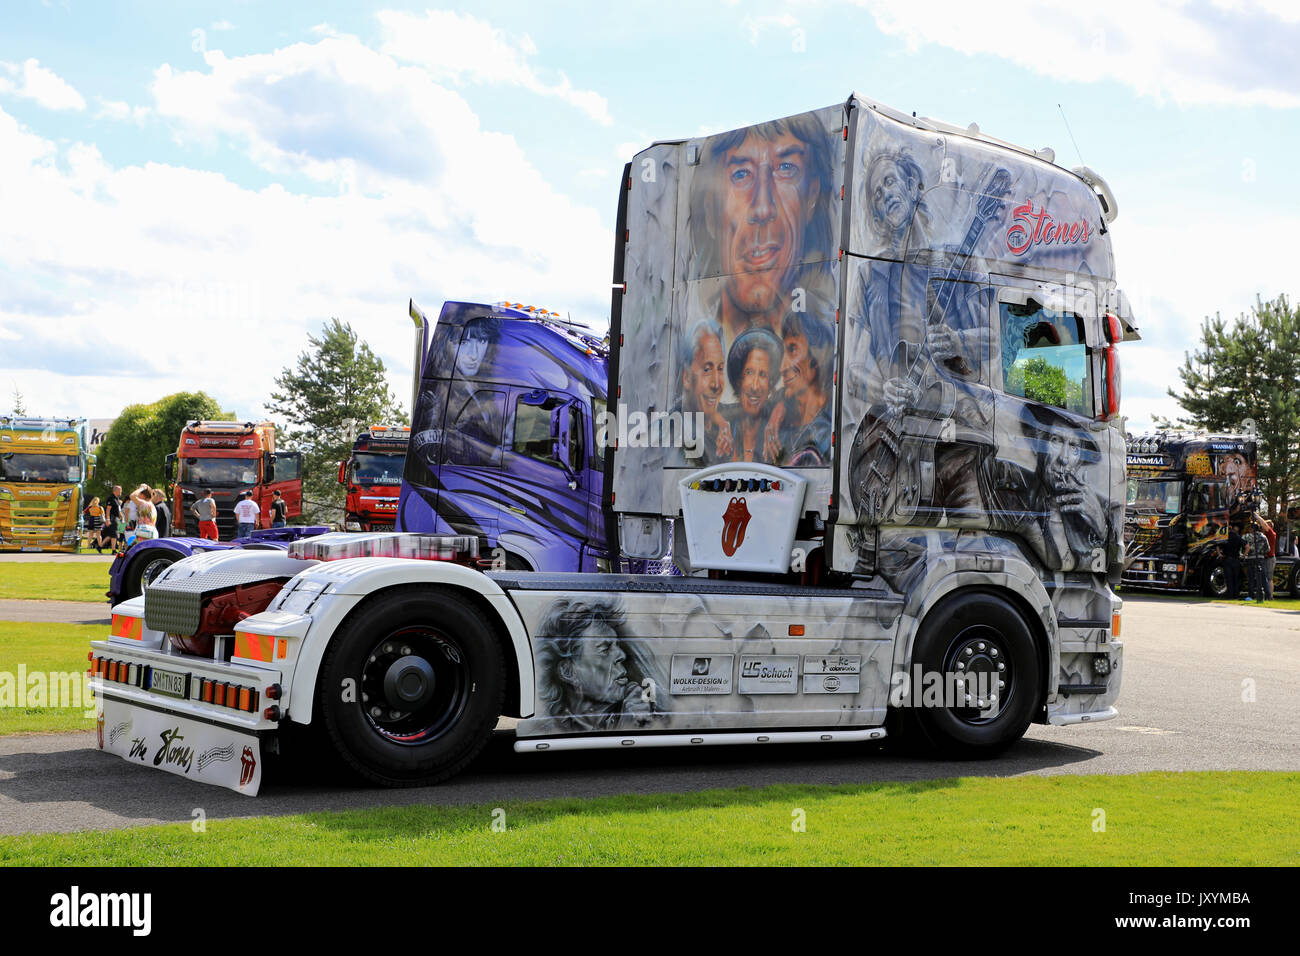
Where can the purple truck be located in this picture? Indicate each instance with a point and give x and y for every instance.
(504, 438)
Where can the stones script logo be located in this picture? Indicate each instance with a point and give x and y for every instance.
(734, 522)
(1033, 228)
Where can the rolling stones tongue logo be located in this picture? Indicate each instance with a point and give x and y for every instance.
(734, 522)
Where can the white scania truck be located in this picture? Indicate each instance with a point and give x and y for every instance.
(864, 376)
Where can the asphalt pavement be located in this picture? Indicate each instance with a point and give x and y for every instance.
(1206, 687)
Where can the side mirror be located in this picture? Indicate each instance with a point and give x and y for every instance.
(343, 478)
(90, 467)
(169, 467)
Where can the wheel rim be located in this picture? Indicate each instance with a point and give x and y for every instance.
(415, 685)
(152, 570)
(1218, 581)
(978, 668)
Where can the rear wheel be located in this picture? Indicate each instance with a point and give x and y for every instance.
(411, 687)
(981, 653)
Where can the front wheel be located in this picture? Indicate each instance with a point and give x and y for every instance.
(1214, 581)
(980, 654)
(411, 687)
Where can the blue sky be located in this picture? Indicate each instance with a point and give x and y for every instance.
(188, 190)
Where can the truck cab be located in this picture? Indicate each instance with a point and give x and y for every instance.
(372, 476)
(504, 438)
(231, 458)
(43, 467)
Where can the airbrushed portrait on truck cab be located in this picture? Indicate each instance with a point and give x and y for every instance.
(757, 354)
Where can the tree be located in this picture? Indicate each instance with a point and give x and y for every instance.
(336, 380)
(1249, 371)
(20, 407)
(143, 436)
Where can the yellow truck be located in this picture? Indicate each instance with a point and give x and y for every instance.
(43, 468)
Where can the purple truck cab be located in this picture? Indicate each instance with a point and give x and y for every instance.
(503, 440)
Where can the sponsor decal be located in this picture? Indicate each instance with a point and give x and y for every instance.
(734, 522)
(701, 674)
(833, 664)
(1159, 461)
(1029, 228)
(769, 674)
(830, 683)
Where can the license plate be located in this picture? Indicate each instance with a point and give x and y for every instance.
(1169, 567)
(170, 683)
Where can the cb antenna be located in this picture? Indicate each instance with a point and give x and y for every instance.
(1071, 132)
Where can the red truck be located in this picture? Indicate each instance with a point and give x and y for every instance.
(373, 477)
(231, 458)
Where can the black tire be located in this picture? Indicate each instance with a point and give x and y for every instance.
(445, 653)
(144, 568)
(1214, 580)
(986, 635)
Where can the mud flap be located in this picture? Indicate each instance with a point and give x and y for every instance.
(201, 751)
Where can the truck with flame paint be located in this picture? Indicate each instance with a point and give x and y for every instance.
(863, 371)
(43, 468)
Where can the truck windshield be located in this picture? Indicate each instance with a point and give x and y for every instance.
(219, 471)
(1162, 497)
(20, 467)
(370, 468)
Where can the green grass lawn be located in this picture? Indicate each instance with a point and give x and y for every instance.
(54, 581)
(43, 649)
(1168, 819)
(1279, 602)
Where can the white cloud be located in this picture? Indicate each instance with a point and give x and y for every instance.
(458, 48)
(755, 26)
(34, 82)
(1239, 53)
(221, 25)
(122, 112)
(179, 278)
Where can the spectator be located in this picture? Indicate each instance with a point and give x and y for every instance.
(164, 522)
(94, 521)
(114, 526)
(1231, 550)
(132, 512)
(1256, 555)
(205, 509)
(246, 514)
(278, 510)
(1266, 527)
(145, 514)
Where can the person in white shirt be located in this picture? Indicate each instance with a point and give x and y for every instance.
(246, 513)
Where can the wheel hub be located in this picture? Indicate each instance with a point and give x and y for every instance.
(409, 683)
(979, 672)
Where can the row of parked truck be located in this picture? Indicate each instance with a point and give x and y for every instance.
(861, 382)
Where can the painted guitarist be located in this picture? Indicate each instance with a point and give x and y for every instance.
(895, 468)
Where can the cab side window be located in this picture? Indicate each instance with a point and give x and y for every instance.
(1045, 356)
(533, 429)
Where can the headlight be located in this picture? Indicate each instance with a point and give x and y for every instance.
(65, 495)
(353, 526)
(7, 495)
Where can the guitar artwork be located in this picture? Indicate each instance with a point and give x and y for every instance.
(891, 462)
